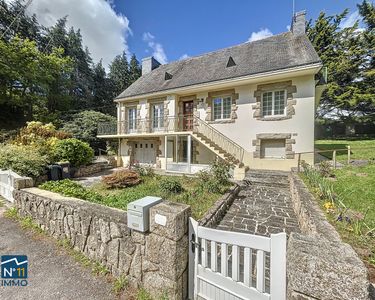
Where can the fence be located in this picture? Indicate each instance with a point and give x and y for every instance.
(339, 157)
(10, 181)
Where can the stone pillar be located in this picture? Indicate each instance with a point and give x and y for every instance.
(165, 261)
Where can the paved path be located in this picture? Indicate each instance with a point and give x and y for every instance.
(52, 273)
(262, 207)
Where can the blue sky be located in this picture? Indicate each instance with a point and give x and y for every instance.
(171, 29)
(194, 27)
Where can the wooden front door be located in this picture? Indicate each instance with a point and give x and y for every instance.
(188, 109)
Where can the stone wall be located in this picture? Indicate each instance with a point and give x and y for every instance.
(216, 213)
(88, 170)
(319, 264)
(156, 260)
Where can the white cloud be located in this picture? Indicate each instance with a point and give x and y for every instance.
(103, 31)
(350, 20)
(184, 56)
(158, 50)
(261, 34)
(288, 27)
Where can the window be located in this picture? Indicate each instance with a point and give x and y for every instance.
(132, 116)
(222, 108)
(273, 103)
(272, 148)
(158, 115)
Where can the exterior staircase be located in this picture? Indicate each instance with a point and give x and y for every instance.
(218, 143)
(268, 178)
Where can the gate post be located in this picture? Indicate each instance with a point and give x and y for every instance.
(278, 266)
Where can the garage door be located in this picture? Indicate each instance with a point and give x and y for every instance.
(272, 148)
(145, 152)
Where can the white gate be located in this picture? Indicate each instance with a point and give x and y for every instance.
(7, 184)
(230, 265)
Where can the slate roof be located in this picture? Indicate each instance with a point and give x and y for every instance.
(277, 52)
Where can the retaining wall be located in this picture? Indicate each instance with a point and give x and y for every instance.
(319, 264)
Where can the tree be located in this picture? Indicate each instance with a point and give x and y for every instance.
(84, 126)
(134, 69)
(119, 73)
(342, 53)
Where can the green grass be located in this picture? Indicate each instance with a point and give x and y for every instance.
(356, 186)
(200, 201)
(356, 153)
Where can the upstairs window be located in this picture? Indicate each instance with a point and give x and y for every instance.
(273, 103)
(222, 107)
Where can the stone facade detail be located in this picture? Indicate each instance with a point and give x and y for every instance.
(156, 260)
(209, 109)
(166, 112)
(290, 102)
(289, 153)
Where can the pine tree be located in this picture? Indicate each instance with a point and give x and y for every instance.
(119, 73)
(135, 69)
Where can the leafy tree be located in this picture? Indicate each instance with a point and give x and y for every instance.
(84, 126)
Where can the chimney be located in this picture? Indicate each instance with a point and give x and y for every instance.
(149, 64)
(298, 26)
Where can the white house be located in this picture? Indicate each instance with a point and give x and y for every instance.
(252, 104)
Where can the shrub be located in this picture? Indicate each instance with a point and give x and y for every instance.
(75, 151)
(84, 126)
(121, 179)
(325, 169)
(23, 160)
(170, 185)
(220, 170)
(71, 188)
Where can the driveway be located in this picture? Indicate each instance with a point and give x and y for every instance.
(52, 273)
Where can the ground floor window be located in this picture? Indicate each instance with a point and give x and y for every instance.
(272, 148)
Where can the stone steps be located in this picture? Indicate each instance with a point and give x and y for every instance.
(270, 178)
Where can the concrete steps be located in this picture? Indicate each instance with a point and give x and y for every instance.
(270, 178)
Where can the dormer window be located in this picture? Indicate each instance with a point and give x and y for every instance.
(273, 103)
(230, 62)
(168, 76)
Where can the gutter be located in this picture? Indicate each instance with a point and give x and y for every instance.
(222, 81)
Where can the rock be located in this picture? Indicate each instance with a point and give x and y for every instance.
(325, 270)
(114, 230)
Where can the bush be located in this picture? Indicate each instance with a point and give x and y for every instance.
(84, 126)
(71, 188)
(23, 160)
(122, 179)
(75, 151)
(220, 170)
(170, 185)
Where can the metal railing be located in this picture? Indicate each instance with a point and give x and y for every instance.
(146, 125)
(221, 140)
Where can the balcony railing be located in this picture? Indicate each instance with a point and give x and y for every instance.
(154, 125)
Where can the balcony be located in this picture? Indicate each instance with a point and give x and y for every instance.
(146, 126)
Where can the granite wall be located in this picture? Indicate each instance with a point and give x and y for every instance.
(156, 260)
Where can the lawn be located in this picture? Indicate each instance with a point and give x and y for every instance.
(200, 200)
(193, 192)
(367, 151)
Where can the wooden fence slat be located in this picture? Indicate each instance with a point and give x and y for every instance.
(213, 256)
(278, 265)
(260, 271)
(204, 253)
(247, 266)
(224, 259)
(235, 263)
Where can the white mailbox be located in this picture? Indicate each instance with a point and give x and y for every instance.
(138, 213)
